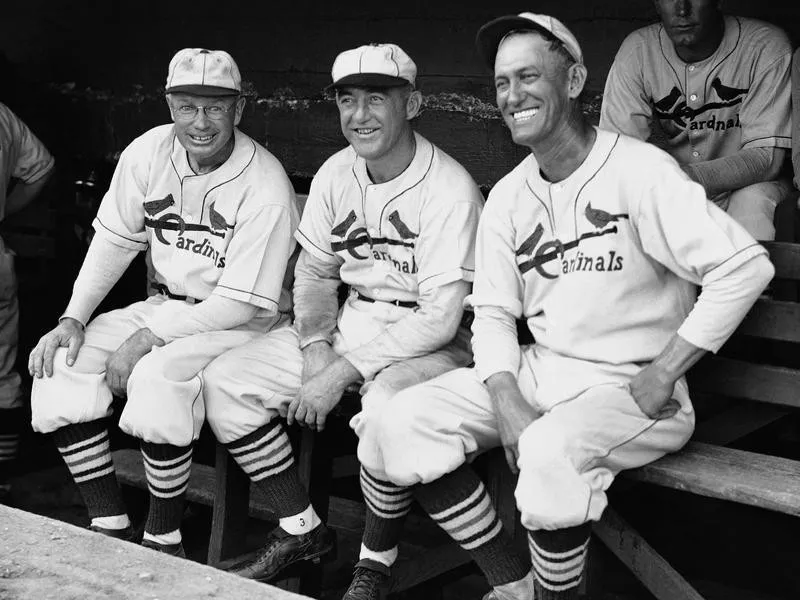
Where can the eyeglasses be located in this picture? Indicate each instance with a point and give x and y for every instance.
(215, 112)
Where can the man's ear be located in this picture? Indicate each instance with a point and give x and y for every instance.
(240, 102)
(413, 104)
(576, 79)
(171, 114)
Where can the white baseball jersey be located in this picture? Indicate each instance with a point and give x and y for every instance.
(22, 155)
(225, 231)
(396, 239)
(602, 264)
(737, 98)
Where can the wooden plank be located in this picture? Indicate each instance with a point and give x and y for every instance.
(740, 379)
(229, 515)
(768, 482)
(736, 422)
(644, 562)
(406, 573)
(774, 320)
(44, 558)
(785, 256)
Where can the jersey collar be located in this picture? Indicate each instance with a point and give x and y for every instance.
(413, 174)
(730, 39)
(243, 151)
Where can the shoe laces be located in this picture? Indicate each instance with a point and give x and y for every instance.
(364, 580)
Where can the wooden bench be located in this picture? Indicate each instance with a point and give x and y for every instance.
(757, 390)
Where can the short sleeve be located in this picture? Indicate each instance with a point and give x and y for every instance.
(33, 160)
(314, 232)
(498, 281)
(120, 217)
(766, 109)
(679, 228)
(258, 254)
(445, 247)
(626, 106)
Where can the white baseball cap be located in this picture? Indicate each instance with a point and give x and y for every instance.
(203, 72)
(374, 65)
(492, 33)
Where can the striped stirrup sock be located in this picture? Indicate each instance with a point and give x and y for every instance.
(387, 507)
(86, 450)
(167, 468)
(459, 503)
(558, 560)
(10, 425)
(267, 458)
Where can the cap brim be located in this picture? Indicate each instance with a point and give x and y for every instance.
(202, 90)
(488, 38)
(369, 80)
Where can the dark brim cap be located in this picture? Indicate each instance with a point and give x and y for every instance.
(369, 80)
(491, 34)
(201, 90)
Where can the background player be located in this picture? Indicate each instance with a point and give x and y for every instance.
(25, 160)
(217, 212)
(597, 240)
(718, 88)
(394, 218)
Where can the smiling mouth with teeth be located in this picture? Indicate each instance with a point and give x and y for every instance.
(523, 115)
(202, 138)
(366, 131)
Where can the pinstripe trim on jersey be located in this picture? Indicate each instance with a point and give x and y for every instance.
(734, 255)
(768, 137)
(411, 187)
(107, 228)
(724, 58)
(239, 174)
(449, 272)
(249, 293)
(580, 191)
(550, 220)
(310, 241)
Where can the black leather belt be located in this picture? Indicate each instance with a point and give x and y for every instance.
(401, 303)
(162, 289)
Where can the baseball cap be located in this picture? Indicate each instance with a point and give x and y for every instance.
(492, 33)
(203, 72)
(374, 65)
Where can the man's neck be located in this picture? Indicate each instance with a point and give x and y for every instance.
(703, 48)
(390, 166)
(561, 157)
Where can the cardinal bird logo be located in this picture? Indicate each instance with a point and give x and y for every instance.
(600, 218)
(727, 93)
(217, 220)
(153, 207)
(341, 229)
(401, 227)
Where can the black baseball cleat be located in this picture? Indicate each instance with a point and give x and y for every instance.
(370, 579)
(171, 549)
(284, 550)
(126, 534)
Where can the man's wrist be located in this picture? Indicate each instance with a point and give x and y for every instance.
(73, 320)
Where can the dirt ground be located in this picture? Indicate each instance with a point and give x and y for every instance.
(729, 552)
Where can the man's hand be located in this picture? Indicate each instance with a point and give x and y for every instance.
(652, 389)
(120, 364)
(67, 334)
(513, 414)
(321, 393)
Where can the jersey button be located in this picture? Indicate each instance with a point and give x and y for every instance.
(695, 154)
(693, 97)
(691, 67)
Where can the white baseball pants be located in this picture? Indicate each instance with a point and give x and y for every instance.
(590, 430)
(165, 403)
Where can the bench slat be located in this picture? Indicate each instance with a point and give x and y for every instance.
(768, 482)
(774, 320)
(786, 258)
(739, 379)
